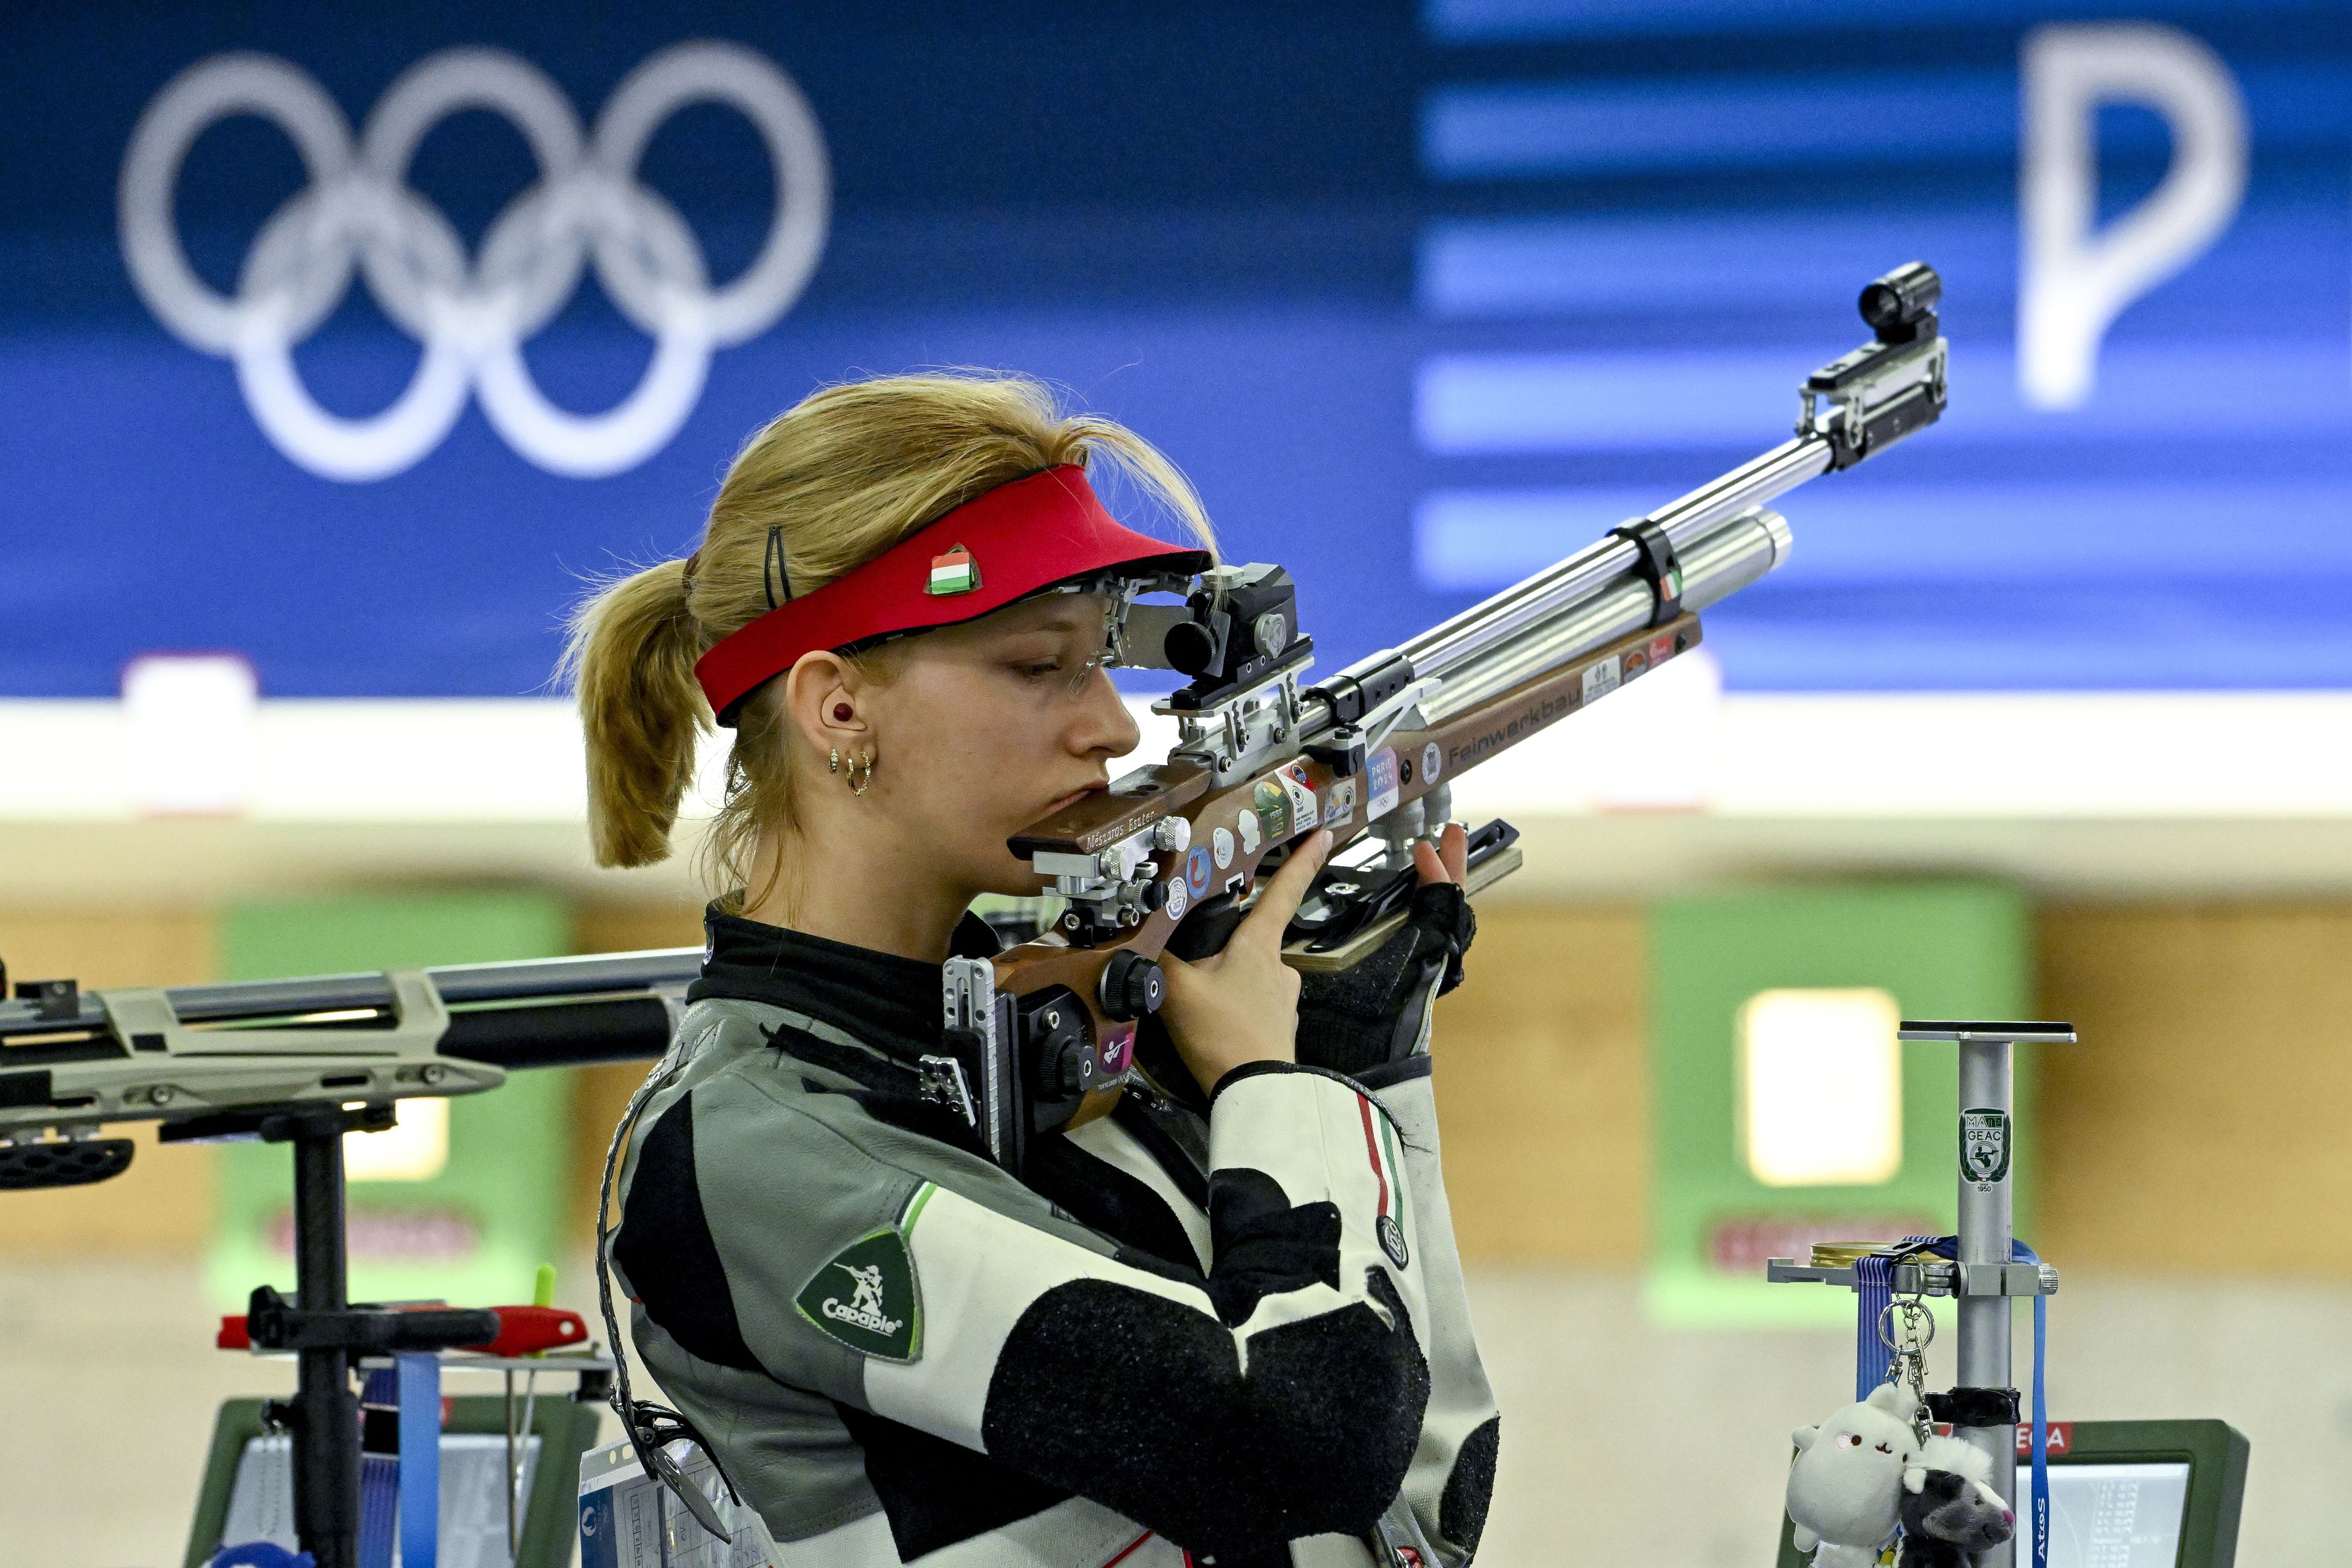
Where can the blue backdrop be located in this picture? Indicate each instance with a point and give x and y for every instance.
(1422, 297)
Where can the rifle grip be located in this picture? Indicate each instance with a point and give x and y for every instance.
(1207, 928)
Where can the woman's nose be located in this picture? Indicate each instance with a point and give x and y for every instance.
(1105, 724)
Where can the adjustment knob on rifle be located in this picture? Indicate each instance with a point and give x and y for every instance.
(1133, 985)
(1062, 1059)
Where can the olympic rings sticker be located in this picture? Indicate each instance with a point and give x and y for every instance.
(358, 218)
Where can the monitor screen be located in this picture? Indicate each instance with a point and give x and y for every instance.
(2115, 1515)
(473, 1531)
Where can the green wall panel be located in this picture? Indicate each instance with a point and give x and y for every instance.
(1942, 950)
(472, 1234)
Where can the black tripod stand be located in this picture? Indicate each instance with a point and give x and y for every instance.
(325, 1331)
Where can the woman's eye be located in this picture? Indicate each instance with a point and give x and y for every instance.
(1037, 670)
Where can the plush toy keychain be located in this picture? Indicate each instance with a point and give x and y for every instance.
(1846, 1488)
(1951, 1511)
(1875, 1466)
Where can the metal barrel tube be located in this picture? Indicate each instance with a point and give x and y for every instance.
(1456, 642)
(458, 985)
(1720, 560)
(1781, 469)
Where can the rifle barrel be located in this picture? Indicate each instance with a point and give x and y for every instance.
(1448, 646)
(1724, 558)
(1721, 534)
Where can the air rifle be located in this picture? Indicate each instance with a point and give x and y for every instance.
(1166, 858)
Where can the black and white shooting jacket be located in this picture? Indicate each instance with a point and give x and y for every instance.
(1234, 1330)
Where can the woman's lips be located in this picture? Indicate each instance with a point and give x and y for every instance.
(1072, 799)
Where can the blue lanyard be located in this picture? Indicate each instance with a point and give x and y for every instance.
(1874, 1361)
(2024, 1254)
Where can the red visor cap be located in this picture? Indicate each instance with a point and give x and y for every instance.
(1005, 545)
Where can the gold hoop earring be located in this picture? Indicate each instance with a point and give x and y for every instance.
(858, 781)
(832, 763)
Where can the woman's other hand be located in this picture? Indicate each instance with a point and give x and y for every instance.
(1241, 1005)
(1376, 1013)
(1444, 858)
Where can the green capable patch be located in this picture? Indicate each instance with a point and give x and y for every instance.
(865, 1297)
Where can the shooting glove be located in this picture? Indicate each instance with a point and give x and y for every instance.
(1377, 1011)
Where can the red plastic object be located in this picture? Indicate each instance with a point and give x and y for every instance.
(522, 1330)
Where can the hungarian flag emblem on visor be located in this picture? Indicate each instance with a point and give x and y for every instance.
(954, 573)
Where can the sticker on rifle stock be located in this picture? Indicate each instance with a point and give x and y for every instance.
(1304, 811)
(1636, 660)
(1342, 804)
(1271, 804)
(1196, 870)
(1602, 678)
(1247, 823)
(1662, 648)
(1179, 900)
(1432, 760)
(1224, 843)
(1381, 771)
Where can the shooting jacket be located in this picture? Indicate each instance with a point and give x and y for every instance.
(1240, 1334)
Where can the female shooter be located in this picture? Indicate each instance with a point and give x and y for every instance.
(1226, 1320)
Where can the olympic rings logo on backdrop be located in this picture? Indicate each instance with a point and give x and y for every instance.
(358, 217)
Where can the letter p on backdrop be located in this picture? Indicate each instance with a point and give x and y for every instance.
(2075, 278)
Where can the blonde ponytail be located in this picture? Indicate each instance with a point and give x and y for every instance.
(632, 659)
(836, 480)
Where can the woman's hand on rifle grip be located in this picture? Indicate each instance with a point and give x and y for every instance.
(1241, 1005)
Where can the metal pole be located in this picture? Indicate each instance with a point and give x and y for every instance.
(514, 1538)
(326, 1412)
(1987, 1116)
